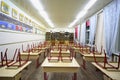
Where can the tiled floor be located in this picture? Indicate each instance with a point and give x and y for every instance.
(89, 74)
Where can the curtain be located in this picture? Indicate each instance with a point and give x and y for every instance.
(78, 33)
(117, 40)
(99, 37)
(82, 34)
(93, 23)
(111, 25)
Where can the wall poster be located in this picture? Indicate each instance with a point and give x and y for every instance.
(4, 7)
(14, 13)
(21, 17)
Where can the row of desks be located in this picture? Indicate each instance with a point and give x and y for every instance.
(111, 74)
(63, 53)
(60, 66)
(12, 73)
(72, 67)
(90, 57)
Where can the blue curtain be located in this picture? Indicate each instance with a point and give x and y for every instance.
(93, 23)
(111, 25)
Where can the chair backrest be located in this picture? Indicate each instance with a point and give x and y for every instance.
(27, 49)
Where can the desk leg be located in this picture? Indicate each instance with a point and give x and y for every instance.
(75, 76)
(45, 76)
(75, 54)
(37, 62)
(84, 64)
(44, 54)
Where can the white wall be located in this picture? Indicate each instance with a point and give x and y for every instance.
(14, 39)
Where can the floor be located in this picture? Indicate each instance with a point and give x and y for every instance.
(31, 73)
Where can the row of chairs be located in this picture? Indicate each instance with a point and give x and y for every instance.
(59, 57)
(106, 64)
(16, 61)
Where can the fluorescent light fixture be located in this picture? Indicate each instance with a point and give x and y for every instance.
(42, 12)
(37, 4)
(80, 15)
(89, 4)
(83, 12)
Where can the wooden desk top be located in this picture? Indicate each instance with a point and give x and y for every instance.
(41, 48)
(46, 63)
(8, 72)
(91, 55)
(115, 75)
(32, 54)
(57, 51)
(66, 52)
(54, 51)
(76, 48)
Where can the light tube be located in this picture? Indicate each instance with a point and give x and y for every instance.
(83, 12)
(42, 12)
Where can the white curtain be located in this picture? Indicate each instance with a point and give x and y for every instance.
(93, 23)
(99, 37)
(111, 24)
(82, 34)
(117, 41)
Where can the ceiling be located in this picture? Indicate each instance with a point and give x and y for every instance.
(61, 12)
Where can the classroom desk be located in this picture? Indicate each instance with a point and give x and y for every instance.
(63, 53)
(72, 67)
(12, 73)
(76, 50)
(43, 49)
(24, 55)
(112, 74)
(32, 56)
(90, 57)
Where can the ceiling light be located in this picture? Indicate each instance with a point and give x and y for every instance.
(80, 15)
(89, 4)
(42, 12)
(83, 12)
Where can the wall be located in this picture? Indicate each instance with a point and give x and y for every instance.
(14, 39)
